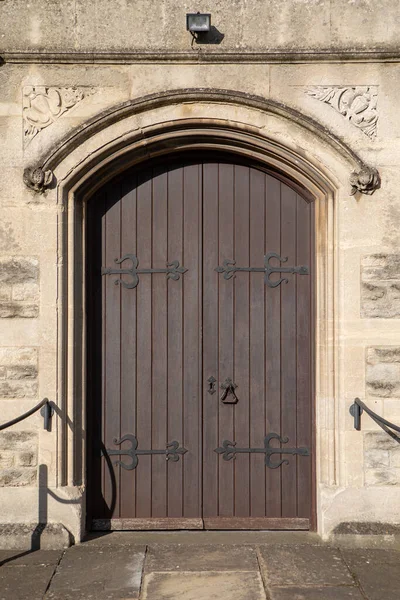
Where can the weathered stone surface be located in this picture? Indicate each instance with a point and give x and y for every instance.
(383, 379)
(379, 440)
(19, 372)
(19, 279)
(378, 572)
(28, 559)
(316, 593)
(376, 458)
(18, 458)
(34, 536)
(383, 354)
(23, 583)
(380, 286)
(201, 558)
(303, 565)
(203, 586)
(113, 572)
(382, 476)
(17, 477)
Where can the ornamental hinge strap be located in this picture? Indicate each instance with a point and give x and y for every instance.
(172, 270)
(229, 269)
(172, 451)
(229, 450)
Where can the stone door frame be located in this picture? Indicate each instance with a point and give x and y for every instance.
(280, 139)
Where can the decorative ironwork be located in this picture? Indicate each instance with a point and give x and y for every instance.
(229, 450)
(173, 271)
(229, 394)
(172, 451)
(211, 385)
(356, 410)
(229, 269)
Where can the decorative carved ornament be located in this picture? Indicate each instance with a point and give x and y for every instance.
(42, 106)
(357, 104)
(37, 179)
(365, 181)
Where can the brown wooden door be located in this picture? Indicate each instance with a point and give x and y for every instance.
(167, 449)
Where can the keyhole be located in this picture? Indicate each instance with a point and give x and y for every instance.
(211, 385)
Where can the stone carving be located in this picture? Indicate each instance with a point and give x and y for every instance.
(365, 181)
(42, 106)
(38, 179)
(357, 104)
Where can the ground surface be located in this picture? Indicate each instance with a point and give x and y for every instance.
(201, 566)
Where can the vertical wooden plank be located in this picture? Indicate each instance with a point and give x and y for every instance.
(175, 338)
(241, 327)
(226, 333)
(111, 366)
(273, 344)
(257, 342)
(211, 438)
(192, 225)
(288, 349)
(144, 342)
(159, 341)
(128, 341)
(304, 318)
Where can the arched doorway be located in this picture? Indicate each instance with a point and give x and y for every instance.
(200, 354)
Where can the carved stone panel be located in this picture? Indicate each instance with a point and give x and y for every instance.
(42, 106)
(357, 104)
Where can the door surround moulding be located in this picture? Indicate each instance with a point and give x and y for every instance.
(82, 171)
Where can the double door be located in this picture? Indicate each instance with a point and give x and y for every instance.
(200, 349)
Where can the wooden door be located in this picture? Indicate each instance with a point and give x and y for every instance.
(199, 362)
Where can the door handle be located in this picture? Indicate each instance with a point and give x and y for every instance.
(229, 394)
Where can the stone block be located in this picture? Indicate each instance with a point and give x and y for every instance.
(26, 459)
(201, 558)
(379, 440)
(395, 457)
(14, 477)
(18, 389)
(32, 536)
(14, 270)
(383, 379)
(11, 356)
(14, 310)
(382, 477)
(380, 266)
(390, 354)
(18, 440)
(376, 458)
(380, 286)
(6, 460)
(22, 372)
(25, 292)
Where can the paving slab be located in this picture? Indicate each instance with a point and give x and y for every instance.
(181, 557)
(378, 572)
(24, 582)
(303, 565)
(102, 573)
(316, 593)
(203, 586)
(26, 557)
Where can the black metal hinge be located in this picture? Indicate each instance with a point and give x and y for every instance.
(229, 269)
(172, 451)
(172, 270)
(229, 450)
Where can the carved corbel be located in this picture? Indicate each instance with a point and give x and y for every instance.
(365, 181)
(37, 179)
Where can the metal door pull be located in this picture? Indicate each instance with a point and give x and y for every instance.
(229, 394)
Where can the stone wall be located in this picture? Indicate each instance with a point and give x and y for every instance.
(380, 286)
(18, 373)
(18, 458)
(381, 452)
(19, 287)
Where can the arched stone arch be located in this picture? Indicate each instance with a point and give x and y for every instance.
(278, 137)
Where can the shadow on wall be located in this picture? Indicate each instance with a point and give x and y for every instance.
(43, 526)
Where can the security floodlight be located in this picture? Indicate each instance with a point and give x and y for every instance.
(198, 22)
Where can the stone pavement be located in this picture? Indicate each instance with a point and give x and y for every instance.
(202, 566)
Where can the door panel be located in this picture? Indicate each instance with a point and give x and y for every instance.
(172, 338)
